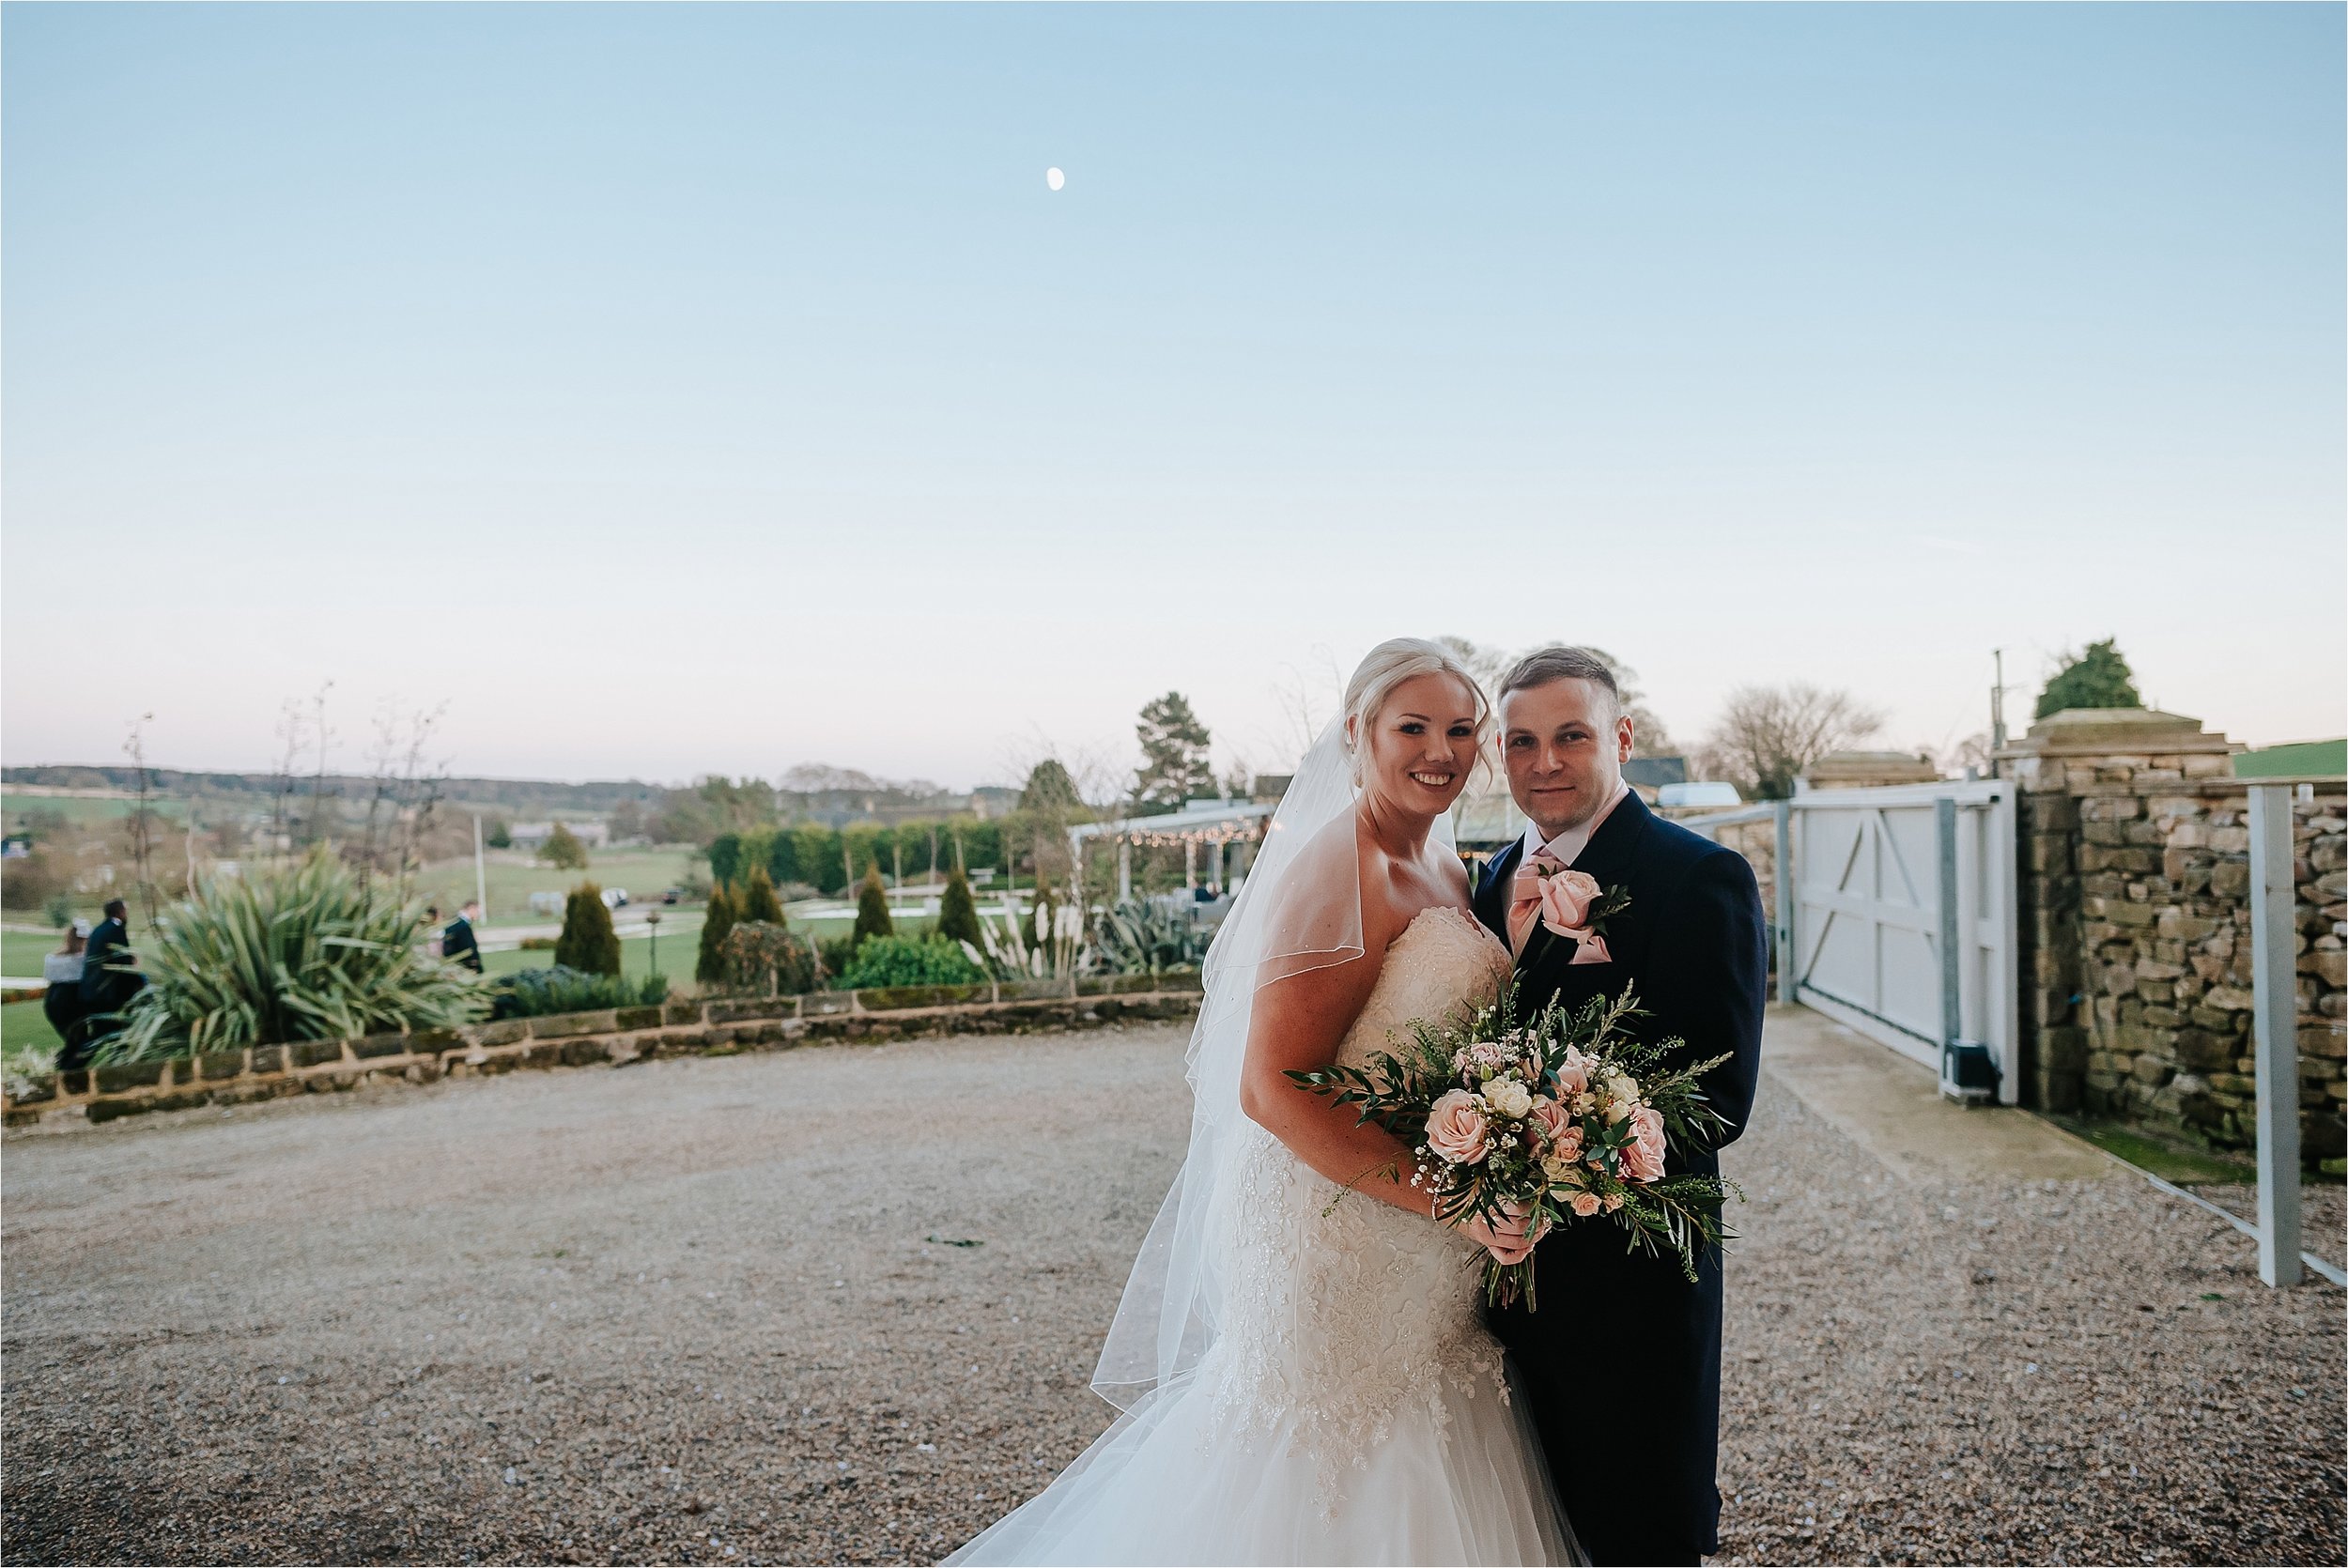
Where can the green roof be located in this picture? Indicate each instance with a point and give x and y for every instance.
(2295, 759)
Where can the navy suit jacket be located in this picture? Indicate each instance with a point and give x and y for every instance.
(1694, 946)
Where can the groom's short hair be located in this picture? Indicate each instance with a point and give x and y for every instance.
(1559, 663)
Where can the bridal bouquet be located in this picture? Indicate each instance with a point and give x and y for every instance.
(1561, 1120)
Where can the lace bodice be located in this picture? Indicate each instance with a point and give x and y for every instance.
(1341, 1311)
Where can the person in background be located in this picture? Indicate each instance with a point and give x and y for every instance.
(61, 1001)
(458, 944)
(108, 981)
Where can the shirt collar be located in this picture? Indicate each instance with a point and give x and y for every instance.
(1568, 846)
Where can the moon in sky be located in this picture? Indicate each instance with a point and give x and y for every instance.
(1054, 179)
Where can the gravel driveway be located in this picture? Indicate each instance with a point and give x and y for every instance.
(841, 1304)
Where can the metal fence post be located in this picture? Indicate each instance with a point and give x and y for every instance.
(1952, 934)
(2273, 990)
(1782, 813)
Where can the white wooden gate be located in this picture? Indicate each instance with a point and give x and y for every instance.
(1903, 919)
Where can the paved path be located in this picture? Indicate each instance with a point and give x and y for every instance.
(841, 1304)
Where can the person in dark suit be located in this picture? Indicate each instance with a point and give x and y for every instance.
(458, 943)
(1692, 943)
(108, 983)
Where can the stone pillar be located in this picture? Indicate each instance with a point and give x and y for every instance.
(2092, 858)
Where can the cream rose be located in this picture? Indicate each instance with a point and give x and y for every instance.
(1508, 1096)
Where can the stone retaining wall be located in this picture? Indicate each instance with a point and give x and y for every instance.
(575, 1039)
(2134, 936)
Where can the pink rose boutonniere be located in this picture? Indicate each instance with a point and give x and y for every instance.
(1575, 907)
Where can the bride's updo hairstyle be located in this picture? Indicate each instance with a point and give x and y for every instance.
(1386, 667)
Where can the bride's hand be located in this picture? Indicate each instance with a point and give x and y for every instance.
(1507, 1241)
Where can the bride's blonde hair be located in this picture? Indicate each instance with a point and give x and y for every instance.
(1386, 667)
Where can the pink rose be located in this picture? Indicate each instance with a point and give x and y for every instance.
(1585, 1204)
(1574, 1075)
(1550, 1119)
(1567, 897)
(1456, 1128)
(1642, 1157)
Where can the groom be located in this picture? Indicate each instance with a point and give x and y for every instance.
(1690, 944)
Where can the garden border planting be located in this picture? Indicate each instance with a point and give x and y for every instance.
(616, 1036)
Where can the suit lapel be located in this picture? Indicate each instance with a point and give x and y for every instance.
(1606, 859)
(1491, 894)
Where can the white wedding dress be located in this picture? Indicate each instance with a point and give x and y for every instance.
(1351, 1409)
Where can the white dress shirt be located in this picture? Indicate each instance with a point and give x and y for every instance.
(1568, 846)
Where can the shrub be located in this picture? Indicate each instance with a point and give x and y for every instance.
(499, 837)
(1146, 939)
(301, 954)
(958, 912)
(758, 898)
(541, 993)
(764, 957)
(588, 943)
(871, 910)
(563, 850)
(908, 960)
(833, 953)
(539, 944)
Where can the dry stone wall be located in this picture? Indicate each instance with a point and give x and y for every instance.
(58, 1101)
(2136, 954)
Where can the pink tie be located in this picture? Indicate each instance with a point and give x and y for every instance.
(1524, 898)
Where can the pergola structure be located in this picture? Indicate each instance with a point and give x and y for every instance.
(1215, 825)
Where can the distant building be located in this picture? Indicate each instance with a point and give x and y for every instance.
(530, 835)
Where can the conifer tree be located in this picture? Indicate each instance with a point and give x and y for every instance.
(2098, 678)
(758, 897)
(588, 943)
(709, 968)
(871, 909)
(958, 912)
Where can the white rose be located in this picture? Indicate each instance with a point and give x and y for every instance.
(1507, 1096)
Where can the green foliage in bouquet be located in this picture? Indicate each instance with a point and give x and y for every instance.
(1467, 1098)
(588, 943)
(909, 960)
(302, 954)
(709, 965)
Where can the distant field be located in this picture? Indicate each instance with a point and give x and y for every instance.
(514, 876)
(80, 811)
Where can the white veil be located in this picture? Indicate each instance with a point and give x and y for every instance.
(1173, 1300)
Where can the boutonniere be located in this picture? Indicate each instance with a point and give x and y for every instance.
(1574, 906)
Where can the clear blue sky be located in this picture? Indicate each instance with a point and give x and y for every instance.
(676, 389)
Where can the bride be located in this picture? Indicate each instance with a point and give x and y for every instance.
(1304, 1370)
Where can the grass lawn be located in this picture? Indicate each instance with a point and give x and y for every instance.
(514, 876)
(27, 1044)
(21, 952)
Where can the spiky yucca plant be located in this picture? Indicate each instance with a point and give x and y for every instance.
(301, 954)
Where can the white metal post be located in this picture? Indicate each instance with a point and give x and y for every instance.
(2273, 990)
(1782, 812)
(480, 876)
